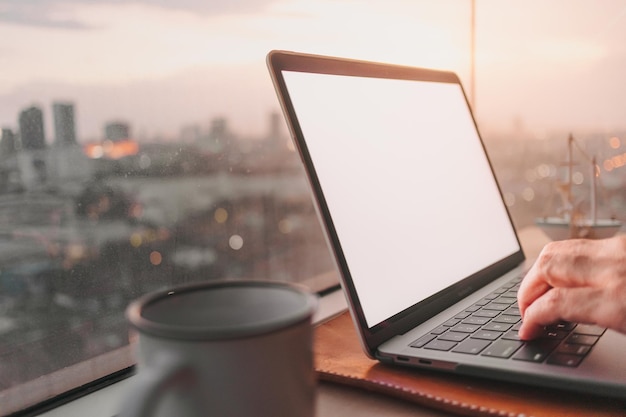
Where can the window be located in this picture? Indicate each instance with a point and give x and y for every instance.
(142, 146)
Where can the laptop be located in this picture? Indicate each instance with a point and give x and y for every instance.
(428, 257)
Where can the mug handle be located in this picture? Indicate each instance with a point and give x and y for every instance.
(154, 381)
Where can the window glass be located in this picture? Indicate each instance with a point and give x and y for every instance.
(143, 146)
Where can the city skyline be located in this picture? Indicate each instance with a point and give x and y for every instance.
(34, 120)
(540, 65)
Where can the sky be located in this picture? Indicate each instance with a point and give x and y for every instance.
(164, 64)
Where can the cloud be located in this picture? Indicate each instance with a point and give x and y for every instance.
(203, 6)
(58, 14)
(38, 13)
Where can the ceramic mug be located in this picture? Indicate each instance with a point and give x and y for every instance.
(229, 348)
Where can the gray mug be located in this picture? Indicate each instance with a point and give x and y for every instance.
(229, 348)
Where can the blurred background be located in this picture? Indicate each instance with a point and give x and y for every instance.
(143, 145)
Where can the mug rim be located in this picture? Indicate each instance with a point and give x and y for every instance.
(144, 325)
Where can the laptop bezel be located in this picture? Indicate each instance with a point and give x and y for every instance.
(372, 337)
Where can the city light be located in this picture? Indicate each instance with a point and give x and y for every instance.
(220, 215)
(235, 242)
(528, 194)
(156, 258)
(136, 240)
(285, 226)
(111, 149)
(614, 162)
(578, 178)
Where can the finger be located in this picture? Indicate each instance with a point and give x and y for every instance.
(584, 305)
(532, 287)
(530, 331)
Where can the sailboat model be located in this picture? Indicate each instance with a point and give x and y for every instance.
(571, 220)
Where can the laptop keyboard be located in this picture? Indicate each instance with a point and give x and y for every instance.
(489, 328)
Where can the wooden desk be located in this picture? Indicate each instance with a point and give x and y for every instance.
(341, 400)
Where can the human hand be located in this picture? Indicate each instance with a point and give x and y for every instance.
(575, 280)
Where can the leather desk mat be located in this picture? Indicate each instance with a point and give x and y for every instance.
(339, 358)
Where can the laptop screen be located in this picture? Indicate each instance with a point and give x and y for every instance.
(408, 186)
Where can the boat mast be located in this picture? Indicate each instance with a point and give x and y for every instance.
(570, 170)
(594, 173)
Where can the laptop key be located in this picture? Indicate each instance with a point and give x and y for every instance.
(505, 300)
(497, 327)
(481, 302)
(573, 349)
(502, 348)
(422, 340)
(510, 294)
(554, 334)
(471, 346)
(506, 319)
(476, 320)
(486, 335)
(451, 322)
(486, 313)
(563, 359)
(496, 306)
(453, 336)
(511, 335)
(440, 345)
(512, 311)
(563, 325)
(465, 328)
(582, 339)
(589, 329)
(439, 330)
(536, 351)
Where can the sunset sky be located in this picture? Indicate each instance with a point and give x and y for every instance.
(162, 64)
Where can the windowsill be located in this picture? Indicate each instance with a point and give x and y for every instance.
(105, 402)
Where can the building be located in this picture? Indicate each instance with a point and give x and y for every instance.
(31, 129)
(64, 125)
(219, 136)
(190, 133)
(116, 131)
(7, 143)
(276, 136)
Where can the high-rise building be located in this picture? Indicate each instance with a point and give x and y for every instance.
(190, 133)
(64, 126)
(275, 125)
(275, 134)
(31, 129)
(7, 143)
(115, 131)
(219, 129)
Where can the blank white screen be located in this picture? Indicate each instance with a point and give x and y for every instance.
(407, 183)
